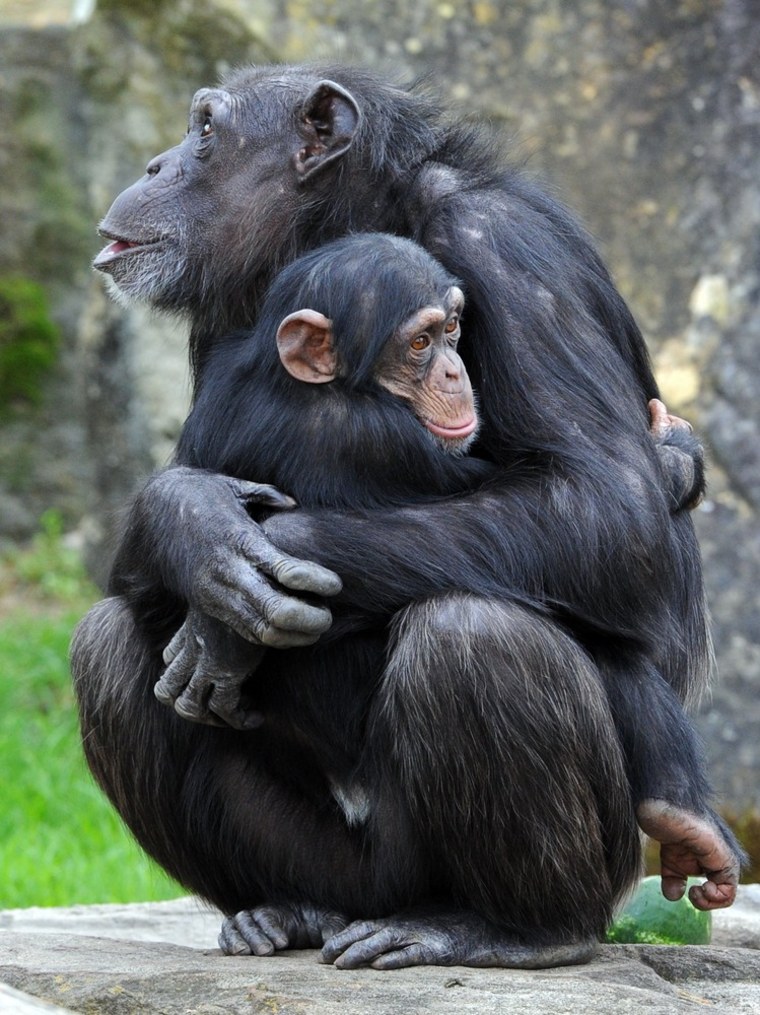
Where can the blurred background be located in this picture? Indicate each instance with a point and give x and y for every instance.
(642, 116)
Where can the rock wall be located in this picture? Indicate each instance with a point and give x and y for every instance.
(644, 116)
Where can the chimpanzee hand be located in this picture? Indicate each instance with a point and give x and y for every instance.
(681, 456)
(661, 422)
(211, 553)
(691, 844)
(207, 664)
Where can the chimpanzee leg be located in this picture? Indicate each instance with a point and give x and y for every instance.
(238, 817)
(493, 728)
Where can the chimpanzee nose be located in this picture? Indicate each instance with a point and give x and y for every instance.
(450, 378)
(167, 165)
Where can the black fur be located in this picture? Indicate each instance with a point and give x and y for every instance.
(489, 750)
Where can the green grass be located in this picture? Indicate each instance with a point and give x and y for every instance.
(60, 841)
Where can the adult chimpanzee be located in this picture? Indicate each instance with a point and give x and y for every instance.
(511, 842)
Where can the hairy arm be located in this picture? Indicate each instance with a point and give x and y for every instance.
(190, 541)
(537, 534)
(538, 537)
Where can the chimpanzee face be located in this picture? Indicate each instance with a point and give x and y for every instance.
(211, 209)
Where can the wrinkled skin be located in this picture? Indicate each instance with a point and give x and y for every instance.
(267, 929)
(691, 846)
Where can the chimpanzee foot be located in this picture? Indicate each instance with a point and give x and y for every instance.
(266, 929)
(692, 844)
(439, 938)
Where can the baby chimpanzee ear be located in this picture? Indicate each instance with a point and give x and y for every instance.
(305, 345)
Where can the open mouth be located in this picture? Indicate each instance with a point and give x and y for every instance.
(452, 433)
(117, 247)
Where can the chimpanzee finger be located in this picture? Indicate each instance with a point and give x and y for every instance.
(241, 935)
(231, 941)
(303, 575)
(263, 616)
(291, 572)
(276, 922)
(192, 704)
(673, 886)
(176, 676)
(175, 646)
(258, 631)
(290, 614)
(370, 949)
(340, 943)
(712, 895)
(278, 637)
(262, 494)
(224, 703)
(412, 955)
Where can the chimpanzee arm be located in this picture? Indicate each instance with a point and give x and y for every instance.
(537, 537)
(191, 537)
(210, 662)
(190, 540)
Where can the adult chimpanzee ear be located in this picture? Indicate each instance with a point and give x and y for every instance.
(305, 344)
(330, 118)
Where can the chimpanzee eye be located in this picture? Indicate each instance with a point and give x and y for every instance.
(452, 325)
(207, 130)
(420, 342)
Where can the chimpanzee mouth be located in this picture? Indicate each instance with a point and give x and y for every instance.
(118, 247)
(452, 433)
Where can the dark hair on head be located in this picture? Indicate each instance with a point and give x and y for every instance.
(367, 285)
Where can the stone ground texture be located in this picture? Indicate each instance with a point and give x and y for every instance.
(161, 958)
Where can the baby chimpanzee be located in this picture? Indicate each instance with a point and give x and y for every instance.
(348, 393)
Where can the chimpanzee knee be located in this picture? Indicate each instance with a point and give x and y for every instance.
(494, 726)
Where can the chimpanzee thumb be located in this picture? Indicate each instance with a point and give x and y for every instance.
(262, 495)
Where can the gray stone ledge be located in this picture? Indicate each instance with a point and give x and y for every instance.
(161, 958)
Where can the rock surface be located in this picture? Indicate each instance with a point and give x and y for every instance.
(161, 958)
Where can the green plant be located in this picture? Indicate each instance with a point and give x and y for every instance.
(60, 840)
(48, 568)
(28, 340)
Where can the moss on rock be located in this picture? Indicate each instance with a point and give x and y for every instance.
(28, 341)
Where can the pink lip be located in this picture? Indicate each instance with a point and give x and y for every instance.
(117, 247)
(452, 432)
